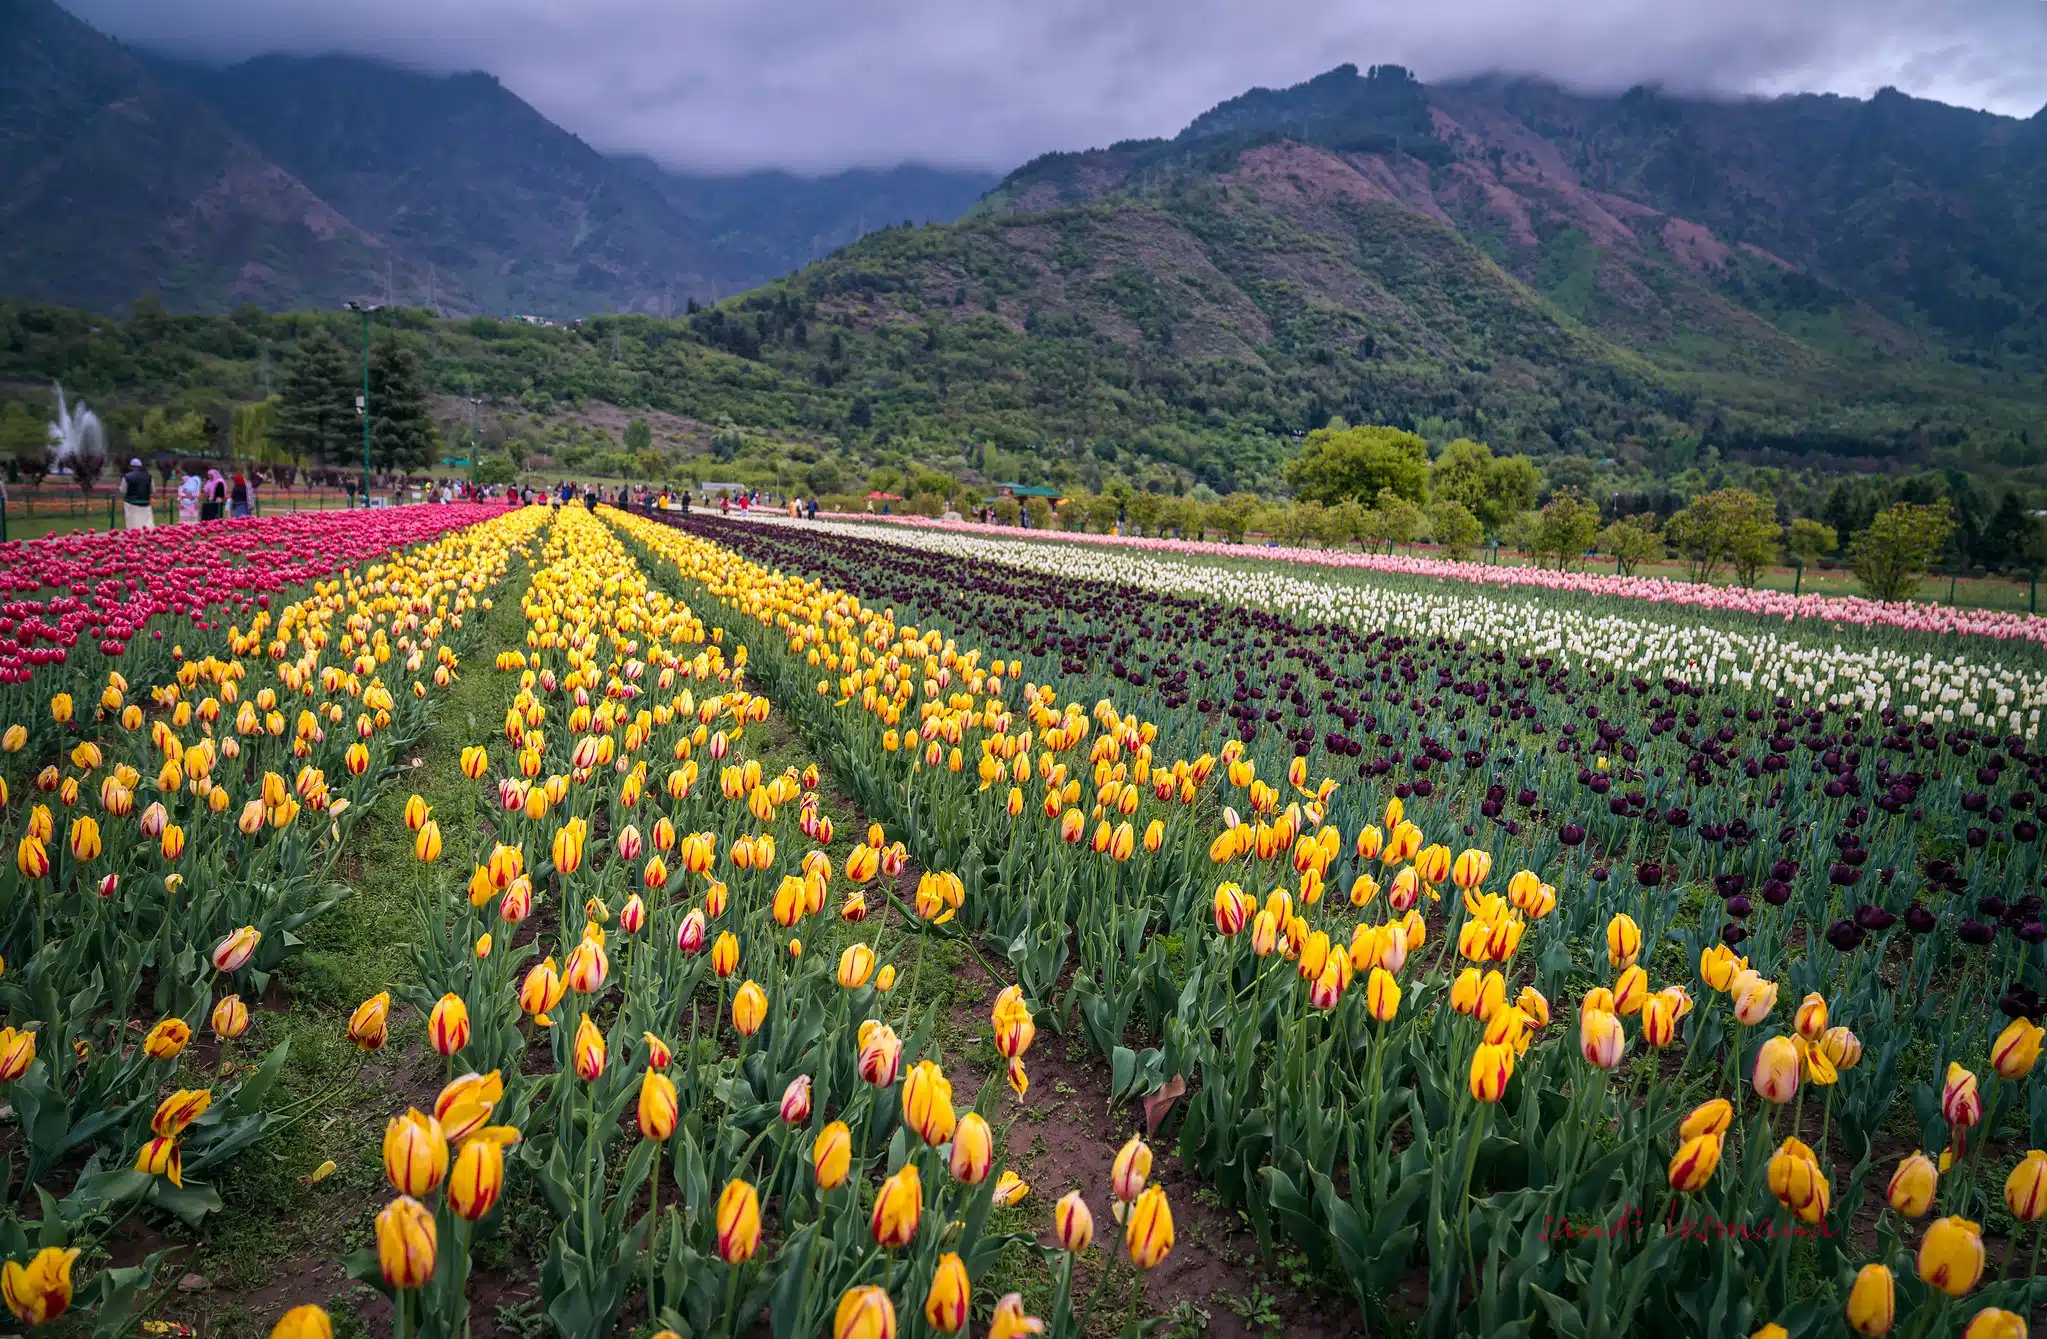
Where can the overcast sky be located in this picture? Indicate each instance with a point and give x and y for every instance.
(821, 84)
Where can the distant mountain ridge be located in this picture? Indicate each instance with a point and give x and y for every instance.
(304, 180)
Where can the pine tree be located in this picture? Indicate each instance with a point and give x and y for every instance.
(316, 416)
(402, 435)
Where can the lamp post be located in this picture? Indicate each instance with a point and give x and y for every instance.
(362, 404)
(475, 403)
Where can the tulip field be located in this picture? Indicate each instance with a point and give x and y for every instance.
(1525, 962)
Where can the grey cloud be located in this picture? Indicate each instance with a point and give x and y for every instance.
(818, 84)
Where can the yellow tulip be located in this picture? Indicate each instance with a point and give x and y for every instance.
(1951, 1255)
(589, 1051)
(856, 965)
(427, 845)
(739, 1222)
(864, 1313)
(1492, 1065)
(406, 1243)
(2025, 1190)
(831, 1155)
(1872, 1301)
(160, 1157)
(369, 1025)
(464, 1105)
(303, 1322)
(2017, 1049)
(749, 1009)
(415, 1153)
(179, 1110)
(659, 1106)
(1960, 1102)
(1778, 1068)
(945, 1305)
(1693, 1165)
(230, 1017)
(448, 1025)
(1796, 1180)
(39, 1291)
(881, 1053)
(973, 1148)
(1995, 1323)
(1810, 1022)
(1713, 1116)
(17, 1053)
(478, 1176)
(898, 1205)
(166, 1041)
(1148, 1229)
(1913, 1185)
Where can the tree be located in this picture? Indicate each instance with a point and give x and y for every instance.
(1632, 540)
(402, 436)
(495, 469)
(1731, 527)
(1231, 516)
(25, 439)
(252, 434)
(1454, 527)
(822, 477)
(1566, 528)
(163, 435)
(316, 413)
(1145, 511)
(1339, 462)
(1007, 511)
(1400, 521)
(640, 437)
(1347, 520)
(1899, 545)
(2008, 538)
(1283, 521)
(1810, 540)
(1493, 489)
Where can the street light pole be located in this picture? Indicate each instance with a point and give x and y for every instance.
(363, 404)
(474, 404)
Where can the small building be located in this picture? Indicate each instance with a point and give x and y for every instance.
(714, 489)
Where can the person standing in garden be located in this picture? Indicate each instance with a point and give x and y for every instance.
(135, 490)
(188, 496)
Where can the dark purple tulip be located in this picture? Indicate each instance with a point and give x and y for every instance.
(1843, 876)
(1845, 935)
(1571, 835)
(1776, 892)
(1739, 906)
(1599, 873)
(1919, 920)
(1975, 802)
(2033, 932)
(1732, 934)
(1874, 918)
(1403, 790)
(1678, 817)
(1977, 837)
(1525, 798)
(1976, 932)
(1784, 869)
(1649, 874)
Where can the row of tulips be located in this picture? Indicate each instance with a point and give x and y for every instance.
(1903, 616)
(672, 1005)
(72, 606)
(169, 839)
(1373, 1074)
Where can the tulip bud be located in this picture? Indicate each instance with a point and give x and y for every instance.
(230, 1017)
(448, 1025)
(796, 1100)
(973, 1150)
(864, 1313)
(831, 1155)
(1872, 1301)
(1073, 1223)
(1600, 1038)
(478, 1176)
(1951, 1255)
(415, 1153)
(167, 1039)
(659, 1108)
(897, 1207)
(1995, 1323)
(1960, 1104)
(303, 1322)
(1131, 1169)
(1148, 1229)
(406, 1243)
(749, 1009)
(2017, 1049)
(1811, 1019)
(1693, 1165)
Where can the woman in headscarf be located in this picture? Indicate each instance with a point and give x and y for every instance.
(238, 500)
(213, 498)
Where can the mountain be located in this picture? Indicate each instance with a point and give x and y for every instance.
(305, 180)
(1825, 281)
(116, 182)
